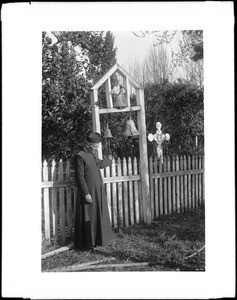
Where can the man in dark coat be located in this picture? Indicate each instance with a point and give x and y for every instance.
(92, 222)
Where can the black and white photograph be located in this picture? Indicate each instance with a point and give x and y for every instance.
(123, 151)
(123, 124)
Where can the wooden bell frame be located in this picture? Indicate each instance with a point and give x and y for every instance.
(128, 81)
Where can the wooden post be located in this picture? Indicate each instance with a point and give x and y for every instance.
(161, 198)
(181, 185)
(174, 202)
(169, 187)
(125, 194)
(165, 187)
(109, 101)
(193, 182)
(61, 202)
(108, 191)
(203, 179)
(69, 200)
(189, 185)
(114, 195)
(127, 87)
(177, 186)
(199, 181)
(143, 157)
(152, 187)
(156, 189)
(196, 183)
(185, 185)
(136, 193)
(96, 117)
(120, 195)
(131, 206)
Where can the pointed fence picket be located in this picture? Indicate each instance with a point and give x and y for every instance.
(174, 206)
(181, 186)
(137, 195)
(176, 186)
(46, 203)
(169, 187)
(114, 196)
(125, 194)
(165, 188)
(156, 195)
(185, 185)
(120, 196)
(130, 186)
(108, 192)
(54, 201)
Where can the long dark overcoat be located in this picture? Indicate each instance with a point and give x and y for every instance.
(92, 222)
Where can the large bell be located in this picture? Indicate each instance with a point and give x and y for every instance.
(107, 133)
(129, 129)
(119, 101)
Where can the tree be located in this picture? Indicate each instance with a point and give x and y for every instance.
(71, 63)
(156, 65)
(194, 72)
(155, 68)
(136, 71)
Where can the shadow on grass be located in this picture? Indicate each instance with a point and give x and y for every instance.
(165, 244)
(167, 241)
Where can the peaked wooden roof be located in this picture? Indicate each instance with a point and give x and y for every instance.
(113, 69)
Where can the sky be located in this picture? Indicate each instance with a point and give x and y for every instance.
(131, 47)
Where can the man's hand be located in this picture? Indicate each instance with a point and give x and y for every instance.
(88, 198)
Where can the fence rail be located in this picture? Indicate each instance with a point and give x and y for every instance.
(177, 185)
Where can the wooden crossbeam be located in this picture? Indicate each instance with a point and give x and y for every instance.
(176, 173)
(117, 110)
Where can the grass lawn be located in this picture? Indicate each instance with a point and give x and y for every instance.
(165, 245)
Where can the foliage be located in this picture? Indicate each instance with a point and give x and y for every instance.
(71, 63)
(179, 107)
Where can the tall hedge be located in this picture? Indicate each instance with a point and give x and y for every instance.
(66, 81)
(180, 108)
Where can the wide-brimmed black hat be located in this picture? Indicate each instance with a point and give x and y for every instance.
(94, 137)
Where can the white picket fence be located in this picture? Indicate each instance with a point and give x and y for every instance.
(177, 185)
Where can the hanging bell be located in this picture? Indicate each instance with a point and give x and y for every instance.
(107, 133)
(129, 129)
(119, 101)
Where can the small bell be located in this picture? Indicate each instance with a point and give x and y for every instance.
(107, 133)
(129, 129)
(119, 101)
